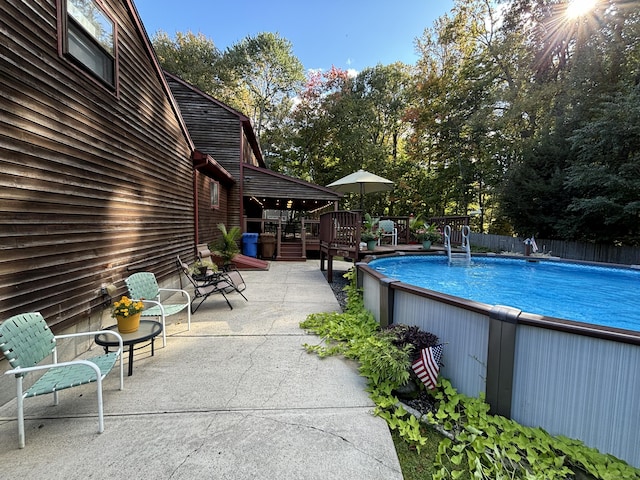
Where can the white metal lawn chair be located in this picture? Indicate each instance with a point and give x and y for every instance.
(143, 286)
(26, 340)
(388, 229)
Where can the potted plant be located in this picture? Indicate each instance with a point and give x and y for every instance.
(370, 233)
(227, 246)
(199, 268)
(127, 312)
(427, 234)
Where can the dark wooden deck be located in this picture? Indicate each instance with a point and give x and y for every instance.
(340, 237)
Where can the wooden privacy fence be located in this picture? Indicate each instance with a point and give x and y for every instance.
(589, 252)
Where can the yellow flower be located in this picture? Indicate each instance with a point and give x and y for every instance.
(126, 307)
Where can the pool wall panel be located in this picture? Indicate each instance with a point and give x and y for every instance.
(464, 333)
(372, 299)
(580, 387)
(569, 379)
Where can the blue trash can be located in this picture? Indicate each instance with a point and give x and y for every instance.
(250, 244)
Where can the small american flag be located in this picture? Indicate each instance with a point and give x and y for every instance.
(427, 366)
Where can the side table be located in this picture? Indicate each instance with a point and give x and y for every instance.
(148, 331)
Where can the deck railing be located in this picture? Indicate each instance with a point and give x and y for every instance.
(455, 222)
(341, 229)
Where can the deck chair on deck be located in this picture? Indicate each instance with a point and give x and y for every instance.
(212, 282)
(144, 286)
(388, 229)
(26, 340)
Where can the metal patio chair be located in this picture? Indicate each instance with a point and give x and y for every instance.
(144, 286)
(388, 229)
(26, 340)
(222, 282)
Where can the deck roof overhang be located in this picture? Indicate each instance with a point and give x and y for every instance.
(274, 190)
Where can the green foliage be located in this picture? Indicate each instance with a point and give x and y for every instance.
(189, 56)
(605, 177)
(418, 465)
(370, 231)
(200, 267)
(484, 446)
(526, 115)
(491, 446)
(382, 362)
(227, 246)
(266, 73)
(343, 123)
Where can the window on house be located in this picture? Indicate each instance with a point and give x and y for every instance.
(90, 39)
(215, 194)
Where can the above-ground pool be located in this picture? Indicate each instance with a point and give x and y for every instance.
(593, 294)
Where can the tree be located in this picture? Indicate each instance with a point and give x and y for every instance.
(457, 108)
(344, 123)
(605, 177)
(576, 176)
(193, 58)
(264, 74)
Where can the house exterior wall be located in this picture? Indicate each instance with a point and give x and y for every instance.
(215, 131)
(209, 217)
(248, 154)
(94, 185)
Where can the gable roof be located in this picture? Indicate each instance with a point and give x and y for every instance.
(243, 119)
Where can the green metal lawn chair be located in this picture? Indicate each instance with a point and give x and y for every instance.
(143, 286)
(26, 340)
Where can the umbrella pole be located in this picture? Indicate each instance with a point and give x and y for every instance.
(362, 197)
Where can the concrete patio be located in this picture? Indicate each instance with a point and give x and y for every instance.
(237, 397)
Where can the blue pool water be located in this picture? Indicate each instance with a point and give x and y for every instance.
(591, 294)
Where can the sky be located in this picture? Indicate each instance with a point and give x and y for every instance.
(347, 34)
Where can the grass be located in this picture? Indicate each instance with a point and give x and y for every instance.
(414, 465)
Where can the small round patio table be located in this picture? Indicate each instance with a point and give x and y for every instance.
(148, 331)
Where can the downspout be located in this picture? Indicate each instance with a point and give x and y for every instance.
(241, 219)
(196, 217)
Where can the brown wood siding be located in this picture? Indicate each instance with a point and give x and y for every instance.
(217, 132)
(93, 186)
(209, 217)
(248, 153)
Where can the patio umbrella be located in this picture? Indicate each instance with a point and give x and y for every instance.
(362, 182)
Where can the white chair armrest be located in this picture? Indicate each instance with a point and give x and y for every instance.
(176, 290)
(18, 371)
(96, 332)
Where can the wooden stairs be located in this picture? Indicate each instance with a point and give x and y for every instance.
(291, 252)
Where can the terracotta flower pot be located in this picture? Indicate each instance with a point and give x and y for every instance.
(128, 324)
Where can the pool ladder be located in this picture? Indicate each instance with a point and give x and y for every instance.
(466, 255)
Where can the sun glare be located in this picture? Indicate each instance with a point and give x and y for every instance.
(578, 8)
